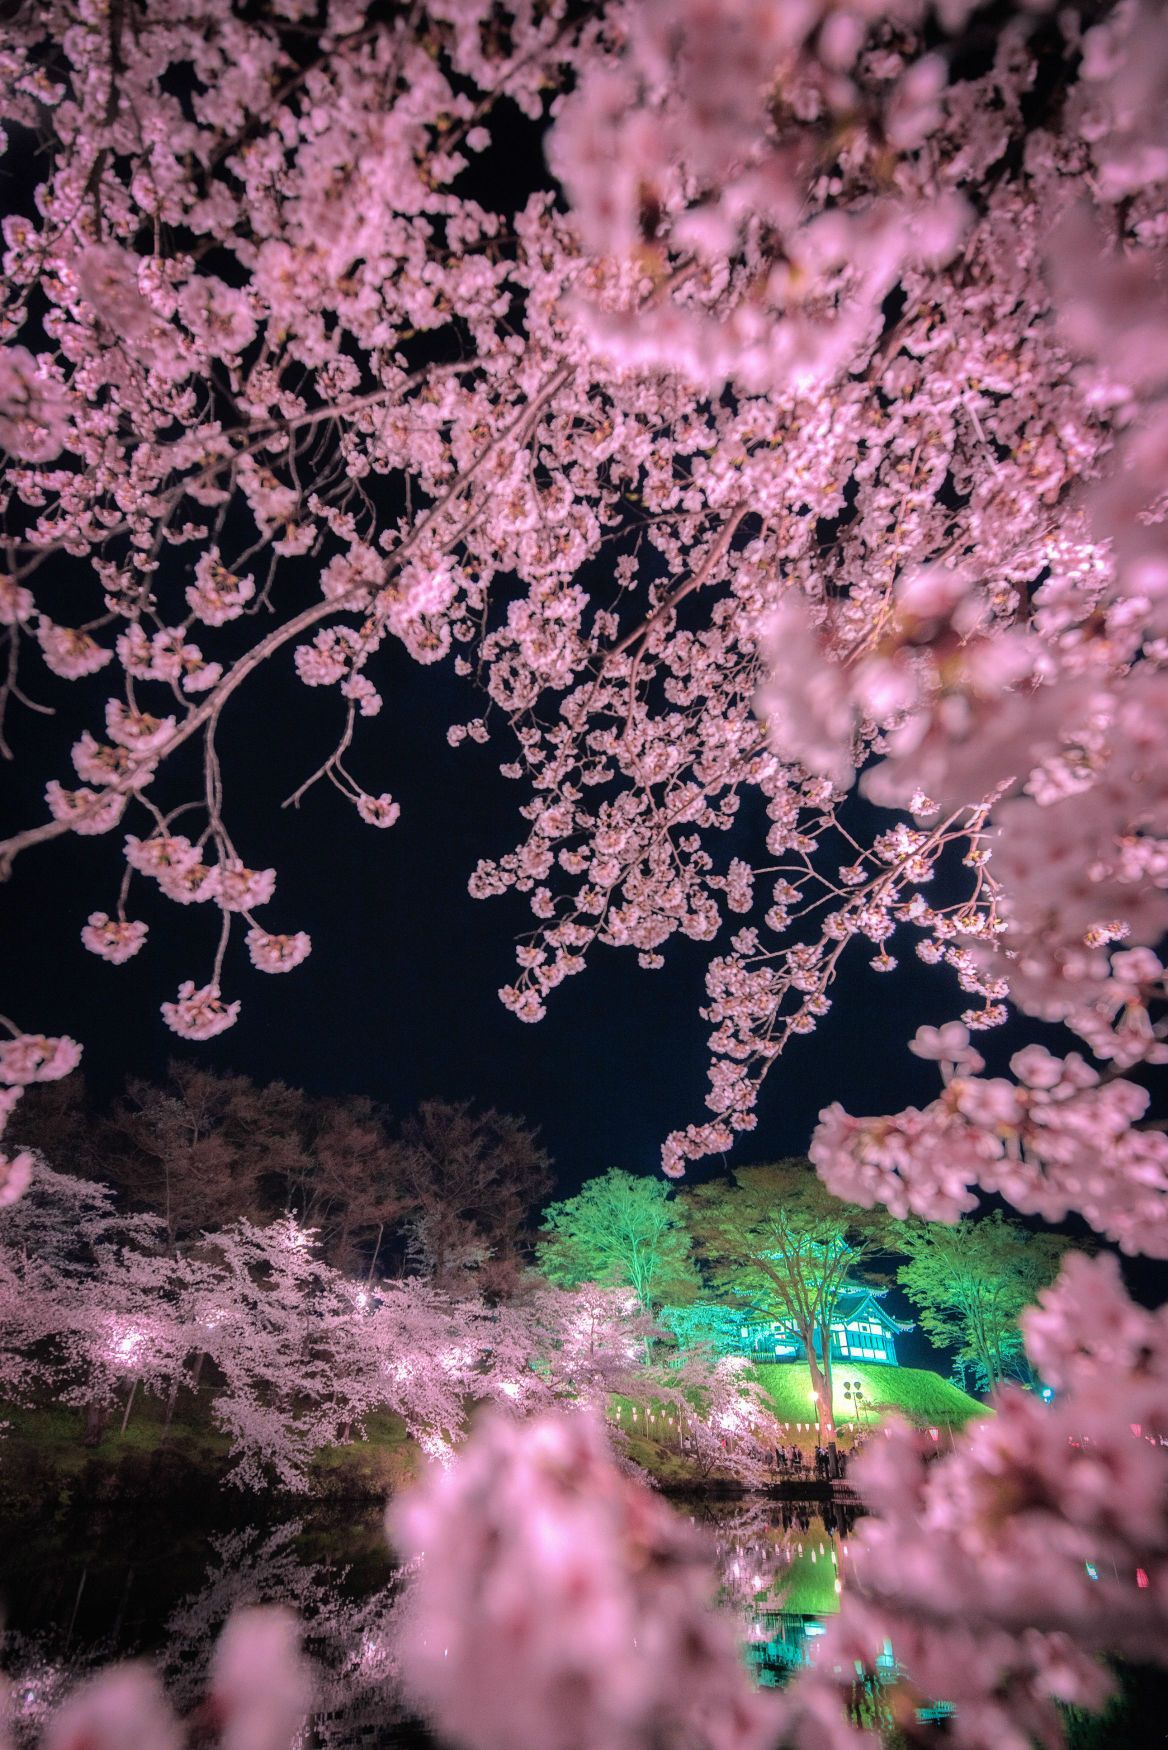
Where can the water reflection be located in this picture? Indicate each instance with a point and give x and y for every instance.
(783, 1567)
(74, 1598)
(125, 1586)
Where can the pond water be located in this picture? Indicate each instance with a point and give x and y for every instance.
(75, 1593)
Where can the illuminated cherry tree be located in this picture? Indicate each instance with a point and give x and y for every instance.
(95, 1307)
(90, 1309)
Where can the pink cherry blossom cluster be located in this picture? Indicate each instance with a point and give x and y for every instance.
(919, 546)
(556, 1603)
(170, 421)
(113, 939)
(1058, 1137)
(757, 169)
(199, 1014)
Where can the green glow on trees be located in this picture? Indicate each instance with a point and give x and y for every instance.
(625, 1230)
(970, 1282)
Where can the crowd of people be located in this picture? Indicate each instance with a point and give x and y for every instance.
(826, 1464)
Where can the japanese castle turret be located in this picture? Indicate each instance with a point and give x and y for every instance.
(861, 1330)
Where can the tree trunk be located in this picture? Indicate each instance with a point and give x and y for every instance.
(987, 1362)
(984, 1349)
(94, 1425)
(129, 1404)
(828, 1393)
(170, 1403)
(825, 1427)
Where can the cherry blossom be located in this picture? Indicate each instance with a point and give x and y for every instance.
(552, 1600)
(124, 1704)
(33, 1058)
(136, 730)
(1057, 1138)
(237, 888)
(277, 953)
(71, 654)
(199, 1014)
(378, 810)
(16, 603)
(116, 940)
(34, 409)
(260, 1687)
(217, 595)
(947, 1045)
(100, 763)
(86, 811)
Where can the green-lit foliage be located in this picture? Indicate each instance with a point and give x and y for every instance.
(622, 1229)
(969, 1283)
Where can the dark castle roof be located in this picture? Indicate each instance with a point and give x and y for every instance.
(854, 1301)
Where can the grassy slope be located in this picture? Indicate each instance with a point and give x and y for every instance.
(921, 1396)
